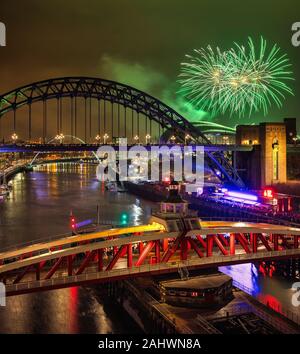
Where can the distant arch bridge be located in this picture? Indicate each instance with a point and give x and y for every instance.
(108, 108)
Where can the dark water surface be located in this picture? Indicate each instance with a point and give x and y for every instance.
(39, 207)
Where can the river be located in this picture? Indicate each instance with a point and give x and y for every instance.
(39, 207)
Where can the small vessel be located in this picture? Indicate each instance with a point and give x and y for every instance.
(4, 189)
(4, 192)
(7, 187)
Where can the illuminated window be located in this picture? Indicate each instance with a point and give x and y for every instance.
(172, 292)
(275, 159)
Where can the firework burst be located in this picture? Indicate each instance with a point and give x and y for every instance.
(237, 81)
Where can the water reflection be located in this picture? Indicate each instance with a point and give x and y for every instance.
(38, 207)
(41, 201)
(246, 274)
(275, 291)
(73, 310)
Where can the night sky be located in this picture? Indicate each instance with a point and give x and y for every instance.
(139, 42)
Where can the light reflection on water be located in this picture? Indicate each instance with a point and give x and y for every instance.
(42, 200)
(276, 291)
(246, 274)
(73, 310)
(39, 207)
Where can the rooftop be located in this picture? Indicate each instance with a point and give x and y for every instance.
(198, 283)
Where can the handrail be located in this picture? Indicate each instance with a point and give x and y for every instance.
(57, 279)
(29, 243)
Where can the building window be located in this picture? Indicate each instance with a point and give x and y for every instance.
(275, 159)
(172, 293)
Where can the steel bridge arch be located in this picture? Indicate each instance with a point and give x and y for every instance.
(129, 97)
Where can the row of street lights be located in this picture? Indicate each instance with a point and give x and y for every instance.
(60, 137)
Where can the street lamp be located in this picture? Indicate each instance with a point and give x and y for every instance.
(186, 138)
(226, 138)
(136, 138)
(105, 137)
(60, 137)
(173, 138)
(148, 137)
(97, 138)
(14, 137)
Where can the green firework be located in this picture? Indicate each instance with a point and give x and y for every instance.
(236, 81)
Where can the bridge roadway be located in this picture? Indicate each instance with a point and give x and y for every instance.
(7, 148)
(137, 250)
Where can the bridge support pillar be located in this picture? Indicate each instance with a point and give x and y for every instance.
(223, 240)
(251, 238)
(254, 243)
(146, 250)
(220, 245)
(165, 244)
(196, 248)
(209, 245)
(232, 244)
(54, 268)
(88, 258)
(264, 242)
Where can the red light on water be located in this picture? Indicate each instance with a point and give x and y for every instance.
(271, 302)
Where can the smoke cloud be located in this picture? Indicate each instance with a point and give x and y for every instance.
(150, 80)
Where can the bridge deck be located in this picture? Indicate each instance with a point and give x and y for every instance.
(123, 252)
(92, 275)
(94, 147)
(208, 227)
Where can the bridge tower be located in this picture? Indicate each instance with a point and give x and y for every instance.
(273, 153)
(266, 164)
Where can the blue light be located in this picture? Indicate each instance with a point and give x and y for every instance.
(242, 195)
